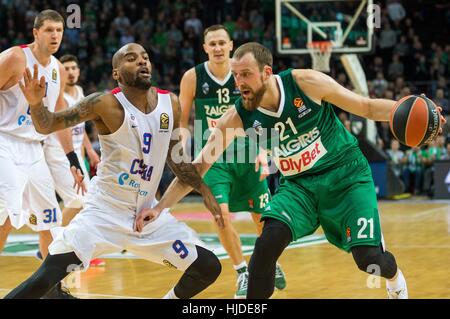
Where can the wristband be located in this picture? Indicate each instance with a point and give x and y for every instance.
(73, 160)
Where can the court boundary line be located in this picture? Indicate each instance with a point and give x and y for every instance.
(95, 295)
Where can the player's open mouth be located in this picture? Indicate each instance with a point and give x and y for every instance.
(144, 73)
(245, 93)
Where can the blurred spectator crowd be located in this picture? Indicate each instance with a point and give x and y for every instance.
(411, 53)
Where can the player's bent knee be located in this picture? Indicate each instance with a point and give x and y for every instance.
(206, 267)
(372, 260)
(275, 237)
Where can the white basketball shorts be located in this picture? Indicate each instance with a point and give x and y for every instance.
(27, 194)
(101, 229)
(60, 170)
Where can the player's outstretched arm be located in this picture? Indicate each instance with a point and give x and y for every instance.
(181, 166)
(187, 178)
(185, 181)
(217, 142)
(320, 86)
(47, 122)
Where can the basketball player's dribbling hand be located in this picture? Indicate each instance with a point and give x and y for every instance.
(33, 88)
(443, 120)
(78, 178)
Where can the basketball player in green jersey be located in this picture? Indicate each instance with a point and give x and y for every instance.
(326, 180)
(236, 185)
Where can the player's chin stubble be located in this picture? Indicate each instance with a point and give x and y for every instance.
(137, 82)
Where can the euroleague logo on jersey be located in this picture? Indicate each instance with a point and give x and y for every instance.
(54, 76)
(164, 121)
(301, 107)
(298, 102)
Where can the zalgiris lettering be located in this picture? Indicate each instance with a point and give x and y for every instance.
(297, 143)
(218, 110)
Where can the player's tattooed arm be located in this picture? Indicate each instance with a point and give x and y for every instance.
(47, 122)
(177, 160)
(184, 170)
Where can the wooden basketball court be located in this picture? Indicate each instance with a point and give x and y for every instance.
(416, 232)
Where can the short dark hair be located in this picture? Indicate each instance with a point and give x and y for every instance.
(215, 27)
(51, 15)
(68, 58)
(262, 55)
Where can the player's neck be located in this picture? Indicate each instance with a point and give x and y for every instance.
(41, 57)
(71, 90)
(141, 99)
(219, 70)
(272, 96)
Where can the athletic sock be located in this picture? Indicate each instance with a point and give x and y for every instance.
(170, 295)
(242, 267)
(398, 283)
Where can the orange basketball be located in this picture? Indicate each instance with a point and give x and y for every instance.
(415, 120)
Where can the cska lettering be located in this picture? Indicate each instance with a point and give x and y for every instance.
(139, 168)
(218, 110)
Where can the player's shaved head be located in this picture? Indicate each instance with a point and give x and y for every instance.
(118, 56)
(132, 66)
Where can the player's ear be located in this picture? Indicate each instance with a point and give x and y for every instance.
(231, 45)
(35, 31)
(267, 71)
(204, 48)
(115, 74)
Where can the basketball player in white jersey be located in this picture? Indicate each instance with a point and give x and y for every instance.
(54, 154)
(138, 128)
(27, 194)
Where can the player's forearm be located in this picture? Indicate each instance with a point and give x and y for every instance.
(43, 120)
(379, 109)
(174, 193)
(65, 139)
(87, 143)
(186, 173)
(185, 136)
